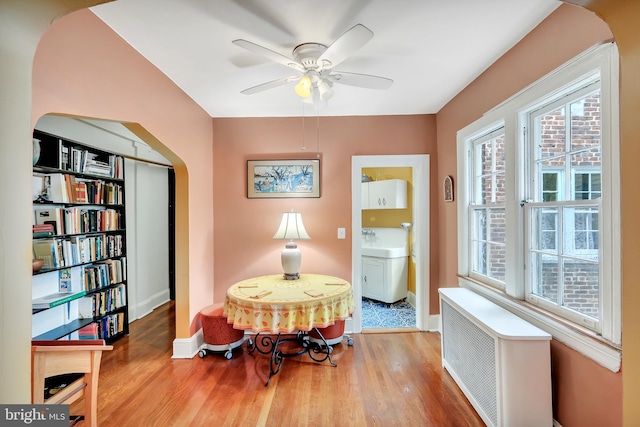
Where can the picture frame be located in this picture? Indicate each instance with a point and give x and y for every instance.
(283, 178)
(448, 188)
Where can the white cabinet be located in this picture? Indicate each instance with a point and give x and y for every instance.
(384, 279)
(385, 194)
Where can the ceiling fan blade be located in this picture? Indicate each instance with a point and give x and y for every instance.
(270, 85)
(360, 80)
(268, 53)
(345, 46)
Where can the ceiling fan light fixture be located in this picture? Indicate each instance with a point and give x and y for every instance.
(303, 88)
(316, 62)
(325, 90)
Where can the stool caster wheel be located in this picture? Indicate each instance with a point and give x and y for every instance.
(202, 353)
(349, 341)
(228, 355)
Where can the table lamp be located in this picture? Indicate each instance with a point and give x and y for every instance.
(291, 228)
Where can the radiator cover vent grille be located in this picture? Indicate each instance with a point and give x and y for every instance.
(471, 354)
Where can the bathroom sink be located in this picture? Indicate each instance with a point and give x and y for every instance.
(381, 252)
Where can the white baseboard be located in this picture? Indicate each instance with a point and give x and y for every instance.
(348, 326)
(145, 307)
(187, 348)
(434, 323)
(411, 299)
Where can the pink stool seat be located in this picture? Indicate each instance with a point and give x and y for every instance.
(218, 334)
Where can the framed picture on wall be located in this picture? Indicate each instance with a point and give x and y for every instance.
(448, 189)
(283, 178)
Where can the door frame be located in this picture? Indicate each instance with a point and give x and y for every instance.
(421, 220)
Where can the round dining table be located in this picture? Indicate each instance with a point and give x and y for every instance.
(276, 305)
(273, 305)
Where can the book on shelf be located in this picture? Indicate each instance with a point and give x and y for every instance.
(40, 234)
(50, 215)
(81, 192)
(70, 182)
(58, 188)
(78, 155)
(88, 159)
(117, 166)
(99, 275)
(43, 230)
(87, 307)
(63, 156)
(64, 280)
(43, 227)
(54, 300)
(47, 250)
(89, 332)
(111, 325)
(96, 167)
(38, 189)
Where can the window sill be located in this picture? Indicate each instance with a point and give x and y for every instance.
(581, 340)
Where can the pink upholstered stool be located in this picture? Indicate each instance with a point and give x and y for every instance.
(218, 334)
(332, 334)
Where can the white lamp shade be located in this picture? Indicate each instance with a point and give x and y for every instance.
(291, 227)
(303, 88)
(325, 91)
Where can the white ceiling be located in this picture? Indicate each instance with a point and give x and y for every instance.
(432, 49)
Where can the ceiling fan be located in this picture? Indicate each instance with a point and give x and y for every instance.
(315, 64)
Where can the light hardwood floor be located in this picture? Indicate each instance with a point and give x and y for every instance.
(391, 379)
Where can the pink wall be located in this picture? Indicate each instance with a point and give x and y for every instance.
(566, 33)
(244, 227)
(82, 68)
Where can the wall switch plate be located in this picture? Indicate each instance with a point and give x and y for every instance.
(342, 233)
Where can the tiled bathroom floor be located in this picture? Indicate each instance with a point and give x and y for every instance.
(379, 315)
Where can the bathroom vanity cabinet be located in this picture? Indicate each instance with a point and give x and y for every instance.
(384, 279)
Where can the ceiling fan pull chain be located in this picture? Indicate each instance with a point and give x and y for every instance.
(303, 148)
(318, 133)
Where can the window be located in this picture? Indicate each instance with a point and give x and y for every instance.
(539, 200)
(564, 139)
(488, 236)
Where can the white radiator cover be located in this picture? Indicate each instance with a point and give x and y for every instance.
(500, 362)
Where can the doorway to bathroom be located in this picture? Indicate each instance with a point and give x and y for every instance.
(390, 243)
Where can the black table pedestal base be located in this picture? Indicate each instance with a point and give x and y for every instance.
(266, 344)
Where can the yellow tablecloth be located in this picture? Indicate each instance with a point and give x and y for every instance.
(312, 301)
